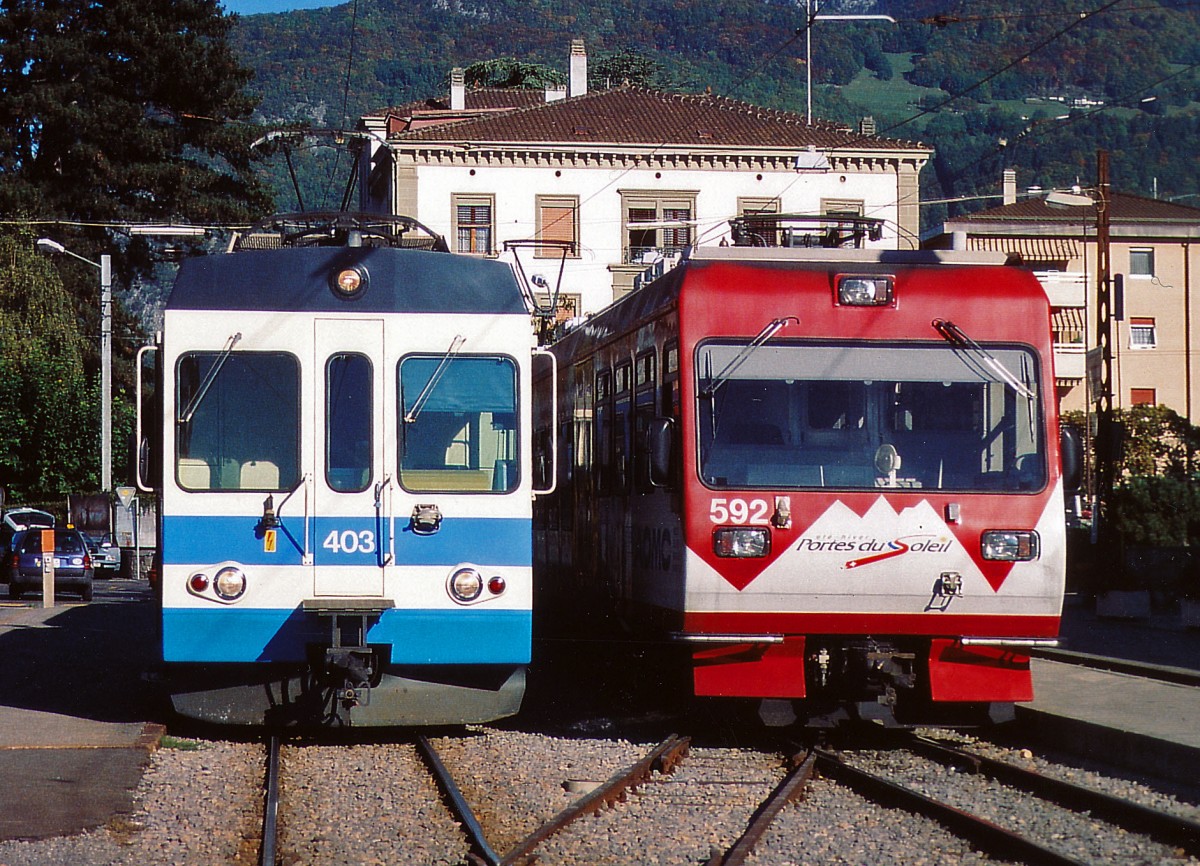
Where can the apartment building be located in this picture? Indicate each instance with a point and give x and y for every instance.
(1154, 255)
(623, 180)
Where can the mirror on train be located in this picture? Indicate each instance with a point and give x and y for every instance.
(659, 442)
(1071, 448)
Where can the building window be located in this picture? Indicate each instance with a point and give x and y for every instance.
(557, 220)
(657, 225)
(1141, 263)
(841, 207)
(758, 217)
(1142, 333)
(474, 220)
(1143, 397)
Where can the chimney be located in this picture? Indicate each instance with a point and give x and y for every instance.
(578, 73)
(555, 92)
(866, 126)
(1010, 186)
(458, 89)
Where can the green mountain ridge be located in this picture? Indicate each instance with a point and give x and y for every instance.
(984, 85)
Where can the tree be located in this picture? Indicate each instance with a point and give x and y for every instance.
(49, 413)
(509, 72)
(124, 109)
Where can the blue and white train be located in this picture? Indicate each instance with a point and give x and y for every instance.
(342, 460)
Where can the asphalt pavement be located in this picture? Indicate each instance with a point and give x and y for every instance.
(74, 705)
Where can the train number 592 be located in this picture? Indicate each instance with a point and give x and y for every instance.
(739, 511)
(350, 541)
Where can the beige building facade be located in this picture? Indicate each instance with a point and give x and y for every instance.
(1154, 256)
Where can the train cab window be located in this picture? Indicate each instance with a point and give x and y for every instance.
(804, 416)
(237, 421)
(348, 414)
(458, 424)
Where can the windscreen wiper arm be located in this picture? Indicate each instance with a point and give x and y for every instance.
(186, 415)
(773, 327)
(955, 336)
(423, 398)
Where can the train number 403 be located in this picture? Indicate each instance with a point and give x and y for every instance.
(739, 511)
(349, 541)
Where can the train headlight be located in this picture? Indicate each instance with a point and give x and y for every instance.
(1010, 545)
(864, 291)
(465, 585)
(230, 583)
(349, 282)
(741, 542)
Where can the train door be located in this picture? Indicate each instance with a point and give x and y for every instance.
(351, 483)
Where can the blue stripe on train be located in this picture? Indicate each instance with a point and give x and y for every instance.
(467, 636)
(492, 540)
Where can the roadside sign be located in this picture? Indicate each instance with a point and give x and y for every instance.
(125, 495)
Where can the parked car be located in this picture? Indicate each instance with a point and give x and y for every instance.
(15, 520)
(106, 559)
(72, 563)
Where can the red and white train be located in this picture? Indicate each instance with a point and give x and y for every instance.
(834, 475)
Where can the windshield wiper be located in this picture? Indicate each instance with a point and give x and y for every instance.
(186, 415)
(773, 327)
(423, 398)
(954, 335)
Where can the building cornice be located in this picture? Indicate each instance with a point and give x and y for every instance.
(525, 155)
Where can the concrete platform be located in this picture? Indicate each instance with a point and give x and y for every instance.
(74, 740)
(1121, 718)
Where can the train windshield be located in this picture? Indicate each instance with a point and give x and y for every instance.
(865, 416)
(458, 423)
(236, 421)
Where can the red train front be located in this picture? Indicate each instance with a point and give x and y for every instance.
(834, 475)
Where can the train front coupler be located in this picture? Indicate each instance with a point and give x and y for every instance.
(348, 662)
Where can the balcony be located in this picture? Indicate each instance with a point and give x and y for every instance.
(1069, 360)
(1064, 288)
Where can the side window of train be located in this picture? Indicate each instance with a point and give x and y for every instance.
(604, 432)
(645, 408)
(622, 420)
(348, 414)
(237, 421)
(458, 423)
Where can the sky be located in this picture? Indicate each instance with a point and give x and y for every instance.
(253, 7)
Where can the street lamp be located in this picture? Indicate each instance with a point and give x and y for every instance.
(51, 247)
(811, 18)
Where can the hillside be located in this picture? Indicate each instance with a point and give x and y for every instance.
(986, 84)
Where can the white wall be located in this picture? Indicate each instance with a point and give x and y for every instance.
(515, 189)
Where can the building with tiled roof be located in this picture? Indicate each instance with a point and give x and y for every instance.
(1154, 256)
(626, 178)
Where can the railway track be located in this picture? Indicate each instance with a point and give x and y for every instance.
(740, 798)
(891, 783)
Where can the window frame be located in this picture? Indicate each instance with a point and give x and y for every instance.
(473, 200)
(401, 432)
(297, 439)
(542, 202)
(660, 201)
(1143, 325)
(1148, 253)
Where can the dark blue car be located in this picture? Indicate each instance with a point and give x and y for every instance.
(72, 563)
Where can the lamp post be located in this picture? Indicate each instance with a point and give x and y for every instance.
(810, 19)
(51, 247)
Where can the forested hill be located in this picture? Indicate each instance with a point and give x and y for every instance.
(989, 84)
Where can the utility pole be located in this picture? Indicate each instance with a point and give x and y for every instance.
(1105, 431)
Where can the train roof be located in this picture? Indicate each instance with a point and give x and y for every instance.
(300, 280)
(820, 257)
